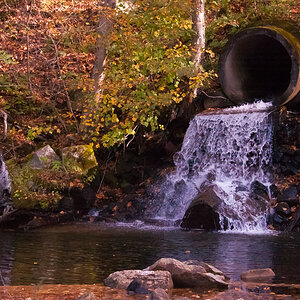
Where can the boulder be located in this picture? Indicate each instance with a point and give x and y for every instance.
(136, 287)
(274, 191)
(258, 275)
(201, 213)
(289, 196)
(150, 279)
(192, 274)
(275, 219)
(283, 209)
(208, 268)
(159, 294)
(80, 158)
(258, 191)
(201, 216)
(43, 158)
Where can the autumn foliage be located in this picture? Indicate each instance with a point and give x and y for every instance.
(46, 60)
(47, 56)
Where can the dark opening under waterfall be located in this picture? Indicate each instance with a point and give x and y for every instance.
(225, 152)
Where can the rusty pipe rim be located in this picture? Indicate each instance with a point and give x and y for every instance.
(237, 75)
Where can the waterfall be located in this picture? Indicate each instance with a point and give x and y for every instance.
(5, 188)
(227, 150)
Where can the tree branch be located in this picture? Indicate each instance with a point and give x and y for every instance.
(4, 116)
(104, 28)
(66, 93)
(28, 10)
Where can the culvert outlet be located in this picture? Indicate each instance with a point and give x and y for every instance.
(261, 63)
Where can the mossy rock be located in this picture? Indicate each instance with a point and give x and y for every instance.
(43, 187)
(79, 159)
(22, 185)
(28, 189)
(43, 158)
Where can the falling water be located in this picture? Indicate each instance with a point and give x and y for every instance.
(5, 203)
(227, 150)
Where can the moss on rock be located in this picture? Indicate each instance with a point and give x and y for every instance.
(80, 158)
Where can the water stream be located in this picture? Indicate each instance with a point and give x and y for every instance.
(5, 188)
(227, 151)
(86, 254)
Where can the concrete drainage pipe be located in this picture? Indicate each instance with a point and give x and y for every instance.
(261, 63)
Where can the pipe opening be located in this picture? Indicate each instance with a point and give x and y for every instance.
(261, 63)
(262, 67)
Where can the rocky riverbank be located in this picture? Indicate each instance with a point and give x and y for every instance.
(167, 276)
(253, 291)
(118, 189)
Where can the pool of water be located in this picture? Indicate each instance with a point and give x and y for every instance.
(86, 254)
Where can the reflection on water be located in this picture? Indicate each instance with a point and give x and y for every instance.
(86, 254)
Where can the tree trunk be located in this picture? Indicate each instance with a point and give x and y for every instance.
(104, 28)
(198, 18)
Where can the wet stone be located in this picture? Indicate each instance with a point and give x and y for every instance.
(43, 158)
(192, 274)
(258, 275)
(137, 287)
(150, 279)
(258, 190)
(274, 191)
(289, 196)
(159, 294)
(201, 213)
(283, 208)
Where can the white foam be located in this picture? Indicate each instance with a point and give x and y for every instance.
(5, 184)
(140, 225)
(248, 108)
(233, 150)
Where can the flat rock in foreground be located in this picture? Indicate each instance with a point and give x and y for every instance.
(150, 279)
(258, 275)
(192, 273)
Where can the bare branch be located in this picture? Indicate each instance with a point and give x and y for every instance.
(28, 9)
(66, 93)
(104, 173)
(4, 116)
(133, 136)
(216, 97)
(7, 6)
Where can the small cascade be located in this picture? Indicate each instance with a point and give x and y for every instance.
(227, 152)
(5, 188)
